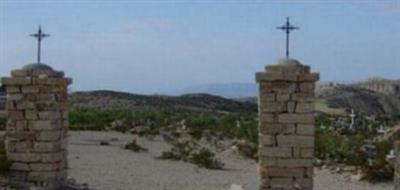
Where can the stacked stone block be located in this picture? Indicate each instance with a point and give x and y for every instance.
(36, 137)
(397, 166)
(286, 126)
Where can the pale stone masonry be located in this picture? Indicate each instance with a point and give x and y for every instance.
(397, 166)
(286, 126)
(37, 125)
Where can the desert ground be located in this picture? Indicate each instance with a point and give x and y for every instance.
(111, 167)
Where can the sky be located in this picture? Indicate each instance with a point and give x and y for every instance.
(163, 47)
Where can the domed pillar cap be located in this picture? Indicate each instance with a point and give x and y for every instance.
(288, 66)
(37, 70)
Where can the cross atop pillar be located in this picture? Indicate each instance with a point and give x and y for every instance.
(39, 36)
(287, 28)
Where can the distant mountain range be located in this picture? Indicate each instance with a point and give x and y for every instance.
(190, 102)
(372, 96)
(232, 90)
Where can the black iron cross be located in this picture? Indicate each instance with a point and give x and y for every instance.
(39, 36)
(287, 28)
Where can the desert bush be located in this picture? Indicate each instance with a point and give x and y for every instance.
(180, 151)
(92, 119)
(206, 159)
(248, 149)
(341, 148)
(187, 151)
(380, 169)
(135, 147)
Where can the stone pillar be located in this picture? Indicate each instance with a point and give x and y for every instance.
(37, 125)
(286, 126)
(397, 166)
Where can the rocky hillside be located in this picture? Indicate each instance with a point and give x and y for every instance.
(122, 100)
(360, 99)
(380, 85)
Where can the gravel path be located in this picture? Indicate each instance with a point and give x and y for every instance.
(113, 168)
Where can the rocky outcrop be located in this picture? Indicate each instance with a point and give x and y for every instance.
(380, 85)
(360, 99)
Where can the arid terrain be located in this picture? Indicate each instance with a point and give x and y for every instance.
(113, 168)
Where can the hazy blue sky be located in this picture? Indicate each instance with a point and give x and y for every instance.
(164, 46)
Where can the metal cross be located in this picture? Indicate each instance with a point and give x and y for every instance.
(39, 36)
(287, 28)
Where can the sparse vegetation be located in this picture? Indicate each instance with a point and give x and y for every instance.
(206, 159)
(187, 151)
(135, 147)
(358, 148)
(211, 119)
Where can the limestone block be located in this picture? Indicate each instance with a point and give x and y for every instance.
(31, 114)
(276, 128)
(10, 105)
(20, 135)
(29, 89)
(303, 97)
(52, 157)
(24, 157)
(294, 163)
(289, 163)
(282, 172)
(47, 146)
(42, 176)
(305, 129)
(291, 106)
(48, 135)
(271, 76)
(50, 81)
(19, 166)
(26, 105)
(267, 97)
(13, 89)
(278, 87)
(45, 97)
(307, 153)
(274, 107)
(310, 77)
(44, 167)
(50, 115)
(16, 115)
(15, 97)
(305, 107)
(19, 176)
(44, 125)
(16, 81)
(268, 117)
(275, 152)
(307, 87)
(283, 97)
(295, 141)
(19, 73)
(296, 118)
(21, 125)
(281, 183)
(266, 140)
